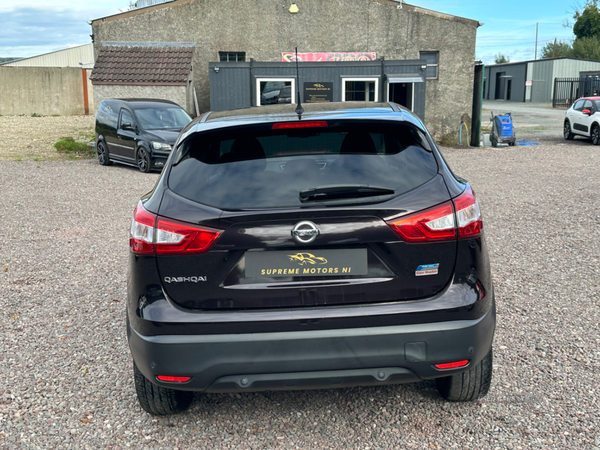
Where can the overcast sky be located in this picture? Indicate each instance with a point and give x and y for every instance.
(42, 26)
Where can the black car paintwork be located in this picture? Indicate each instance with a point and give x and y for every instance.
(123, 143)
(464, 298)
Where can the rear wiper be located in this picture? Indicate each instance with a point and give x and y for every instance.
(340, 192)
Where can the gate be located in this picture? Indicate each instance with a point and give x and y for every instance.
(566, 91)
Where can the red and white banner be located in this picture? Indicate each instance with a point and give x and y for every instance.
(329, 56)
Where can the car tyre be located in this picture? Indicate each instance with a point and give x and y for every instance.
(158, 400)
(143, 160)
(567, 131)
(103, 155)
(595, 134)
(469, 385)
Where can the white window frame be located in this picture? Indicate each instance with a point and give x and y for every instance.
(260, 80)
(375, 79)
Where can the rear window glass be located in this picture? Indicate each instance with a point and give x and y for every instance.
(257, 167)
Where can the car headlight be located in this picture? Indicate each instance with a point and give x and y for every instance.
(160, 146)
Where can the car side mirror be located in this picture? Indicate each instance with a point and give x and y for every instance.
(127, 126)
(587, 111)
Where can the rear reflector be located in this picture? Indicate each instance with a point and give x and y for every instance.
(308, 124)
(151, 234)
(459, 218)
(173, 379)
(452, 365)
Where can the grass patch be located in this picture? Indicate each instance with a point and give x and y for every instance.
(36, 115)
(74, 149)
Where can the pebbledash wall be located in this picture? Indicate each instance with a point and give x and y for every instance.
(264, 29)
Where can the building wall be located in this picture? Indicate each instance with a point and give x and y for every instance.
(541, 75)
(80, 56)
(264, 29)
(516, 73)
(42, 90)
(176, 94)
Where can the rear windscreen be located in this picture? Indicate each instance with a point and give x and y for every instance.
(258, 167)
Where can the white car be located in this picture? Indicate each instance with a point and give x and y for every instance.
(583, 119)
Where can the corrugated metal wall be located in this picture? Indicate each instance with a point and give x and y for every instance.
(234, 84)
(80, 56)
(542, 81)
(509, 75)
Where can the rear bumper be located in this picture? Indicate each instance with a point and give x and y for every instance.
(313, 359)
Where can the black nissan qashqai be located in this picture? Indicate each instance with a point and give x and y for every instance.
(329, 249)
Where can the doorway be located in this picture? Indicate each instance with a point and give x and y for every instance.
(500, 79)
(402, 93)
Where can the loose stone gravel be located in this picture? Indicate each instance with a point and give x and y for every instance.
(65, 368)
(33, 138)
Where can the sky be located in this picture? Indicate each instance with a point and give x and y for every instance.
(29, 28)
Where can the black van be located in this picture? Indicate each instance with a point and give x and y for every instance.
(138, 132)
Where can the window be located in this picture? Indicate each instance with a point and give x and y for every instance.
(126, 117)
(271, 91)
(360, 89)
(578, 105)
(432, 64)
(254, 166)
(232, 56)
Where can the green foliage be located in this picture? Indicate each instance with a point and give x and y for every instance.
(74, 149)
(36, 115)
(501, 58)
(557, 49)
(587, 21)
(587, 47)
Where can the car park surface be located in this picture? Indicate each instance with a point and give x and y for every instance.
(66, 368)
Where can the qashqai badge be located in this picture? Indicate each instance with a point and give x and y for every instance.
(305, 232)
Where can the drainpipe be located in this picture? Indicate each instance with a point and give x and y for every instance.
(477, 104)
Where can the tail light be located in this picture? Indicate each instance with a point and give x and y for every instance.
(459, 218)
(304, 124)
(152, 234)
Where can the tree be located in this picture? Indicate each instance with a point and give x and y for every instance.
(500, 58)
(587, 21)
(557, 49)
(587, 47)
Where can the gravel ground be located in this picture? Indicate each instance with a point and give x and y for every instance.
(66, 370)
(33, 138)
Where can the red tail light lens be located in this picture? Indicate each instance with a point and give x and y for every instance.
(434, 224)
(452, 365)
(307, 124)
(468, 214)
(460, 218)
(151, 234)
(173, 379)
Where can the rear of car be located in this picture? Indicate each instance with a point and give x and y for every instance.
(336, 249)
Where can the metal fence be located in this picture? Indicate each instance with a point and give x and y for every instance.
(566, 91)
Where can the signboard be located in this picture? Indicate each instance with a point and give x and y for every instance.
(329, 56)
(318, 92)
(306, 263)
(529, 83)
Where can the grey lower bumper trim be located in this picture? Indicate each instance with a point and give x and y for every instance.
(314, 380)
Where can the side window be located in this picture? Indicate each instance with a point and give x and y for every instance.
(578, 105)
(126, 117)
(106, 115)
(588, 105)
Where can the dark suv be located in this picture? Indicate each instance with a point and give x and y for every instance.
(138, 132)
(330, 249)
